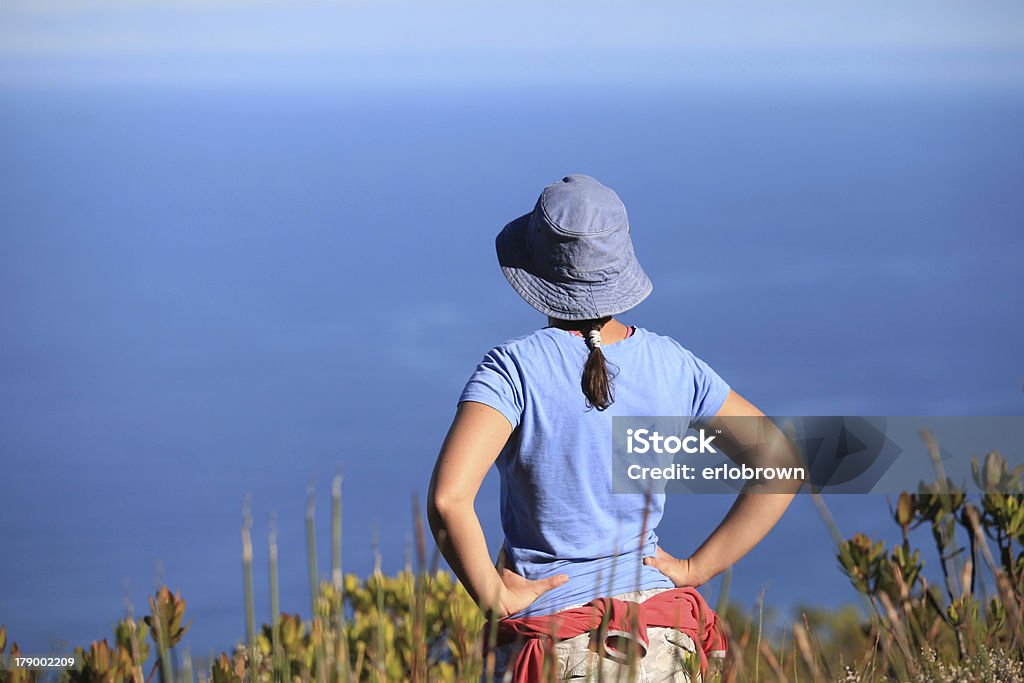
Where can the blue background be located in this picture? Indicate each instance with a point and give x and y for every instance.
(240, 246)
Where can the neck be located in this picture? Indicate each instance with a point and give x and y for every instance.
(611, 329)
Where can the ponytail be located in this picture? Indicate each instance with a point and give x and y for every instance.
(596, 381)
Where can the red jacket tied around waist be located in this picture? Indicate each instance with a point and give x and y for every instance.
(681, 608)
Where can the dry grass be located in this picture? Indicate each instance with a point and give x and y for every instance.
(420, 625)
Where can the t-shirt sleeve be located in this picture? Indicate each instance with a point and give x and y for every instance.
(496, 382)
(709, 389)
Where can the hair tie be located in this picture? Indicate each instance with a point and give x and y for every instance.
(594, 339)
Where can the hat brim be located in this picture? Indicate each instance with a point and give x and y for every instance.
(568, 300)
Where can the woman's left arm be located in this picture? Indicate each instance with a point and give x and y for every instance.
(755, 511)
(474, 441)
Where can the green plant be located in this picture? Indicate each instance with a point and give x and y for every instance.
(955, 623)
(420, 624)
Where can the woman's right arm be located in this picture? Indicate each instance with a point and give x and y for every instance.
(476, 437)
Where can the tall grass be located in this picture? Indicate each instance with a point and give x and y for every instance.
(420, 624)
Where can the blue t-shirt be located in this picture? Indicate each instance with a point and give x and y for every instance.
(558, 511)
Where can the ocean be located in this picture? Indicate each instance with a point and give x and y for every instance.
(209, 293)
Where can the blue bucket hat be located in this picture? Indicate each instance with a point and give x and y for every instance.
(571, 257)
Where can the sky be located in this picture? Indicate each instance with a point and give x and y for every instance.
(532, 44)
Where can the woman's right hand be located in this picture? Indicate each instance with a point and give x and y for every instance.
(518, 593)
(682, 572)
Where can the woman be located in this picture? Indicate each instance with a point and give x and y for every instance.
(540, 408)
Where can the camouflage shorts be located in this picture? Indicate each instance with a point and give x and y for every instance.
(667, 659)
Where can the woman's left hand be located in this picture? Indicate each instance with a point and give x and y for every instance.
(682, 572)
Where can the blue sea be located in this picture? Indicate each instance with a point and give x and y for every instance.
(213, 293)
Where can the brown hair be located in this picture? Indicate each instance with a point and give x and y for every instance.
(596, 381)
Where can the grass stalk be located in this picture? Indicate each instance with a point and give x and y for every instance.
(342, 672)
(314, 580)
(491, 628)
(723, 592)
(250, 611)
(162, 650)
(833, 530)
(276, 649)
(187, 676)
(760, 630)
(420, 587)
(336, 577)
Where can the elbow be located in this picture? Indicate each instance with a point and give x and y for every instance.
(442, 506)
(434, 517)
